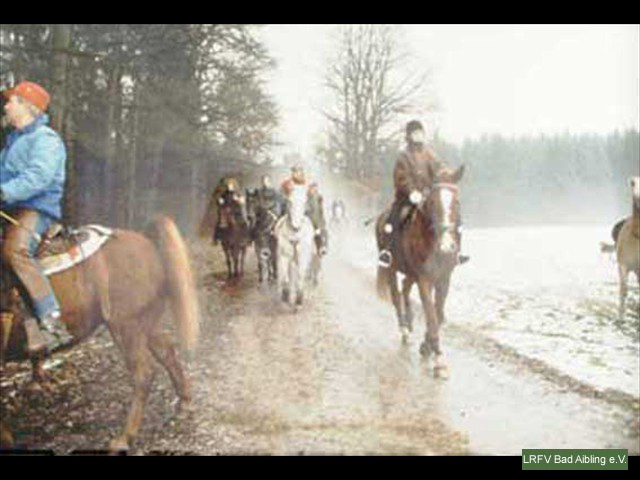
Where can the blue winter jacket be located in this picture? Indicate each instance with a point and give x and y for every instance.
(32, 169)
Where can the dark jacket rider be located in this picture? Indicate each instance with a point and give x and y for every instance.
(415, 172)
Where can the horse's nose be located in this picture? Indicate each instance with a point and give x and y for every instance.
(447, 244)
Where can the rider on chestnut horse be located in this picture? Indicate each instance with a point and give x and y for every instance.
(32, 174)
(414, 173)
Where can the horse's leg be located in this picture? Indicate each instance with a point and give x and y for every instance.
(227, 256)
(622, 274)
(407, 325)
(294, 279)
(431, 341)
(236, 261)
(442, 290)
(164, 352)
(6, 438)
(258, 249)
(395, 298)
(139, 361)
(283, 279)
(37, 368)
(274, 258)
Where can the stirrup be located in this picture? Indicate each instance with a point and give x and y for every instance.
(463, 259)
(57, 331)
(384, 259)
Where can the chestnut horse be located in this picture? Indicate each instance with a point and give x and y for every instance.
(124, 285)
(426, 252)
(628, 245)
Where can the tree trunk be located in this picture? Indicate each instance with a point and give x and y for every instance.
(61, 40)
(112, 130)
(132, 193)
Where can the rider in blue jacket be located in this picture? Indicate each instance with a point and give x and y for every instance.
(32, 175)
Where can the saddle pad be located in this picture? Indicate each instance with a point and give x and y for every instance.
(94, 236)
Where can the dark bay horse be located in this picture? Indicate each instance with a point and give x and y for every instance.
(262, 222)
(125, 285)
(426, 253)
(627, 238)
(234, 232)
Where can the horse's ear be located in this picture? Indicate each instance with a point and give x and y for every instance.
(457, 175)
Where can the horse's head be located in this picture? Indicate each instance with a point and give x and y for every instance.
(442, 208)
(231, 205)
(296, 206)
(634, 183)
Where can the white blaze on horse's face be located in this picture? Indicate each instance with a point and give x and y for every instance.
(447, 243)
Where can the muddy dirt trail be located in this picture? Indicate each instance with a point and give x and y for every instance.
(331, 378)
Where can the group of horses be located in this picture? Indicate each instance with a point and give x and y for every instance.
(288, 248)
(129, 283)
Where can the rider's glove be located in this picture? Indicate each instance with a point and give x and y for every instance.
(415, 197)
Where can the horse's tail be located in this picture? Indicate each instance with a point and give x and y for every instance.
(382, 283)
(615, 231)
(184, 300)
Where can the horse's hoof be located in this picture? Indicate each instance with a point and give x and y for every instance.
(184, 406)
(441, 372)
(285, 295)
(119, 445)
(299, 299)
(424, 349)
(34, 387)
(404, 332)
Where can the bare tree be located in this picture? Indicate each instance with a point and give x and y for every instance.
(372, 83)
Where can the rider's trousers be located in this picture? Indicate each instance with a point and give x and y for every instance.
(18, 251)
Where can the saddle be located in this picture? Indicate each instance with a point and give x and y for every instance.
(62, 248)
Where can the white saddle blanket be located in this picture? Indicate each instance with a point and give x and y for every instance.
(97, 235)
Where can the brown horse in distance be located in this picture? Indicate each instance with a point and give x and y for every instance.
(628, 245)
(125, 285)
(235, 235)
(426, 253)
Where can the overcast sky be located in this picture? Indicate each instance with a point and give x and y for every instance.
(507, 79)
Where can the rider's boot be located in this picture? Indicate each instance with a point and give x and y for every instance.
(384, 257)
(59, 335)
(390, 227)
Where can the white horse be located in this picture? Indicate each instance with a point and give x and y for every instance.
(294, 232)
